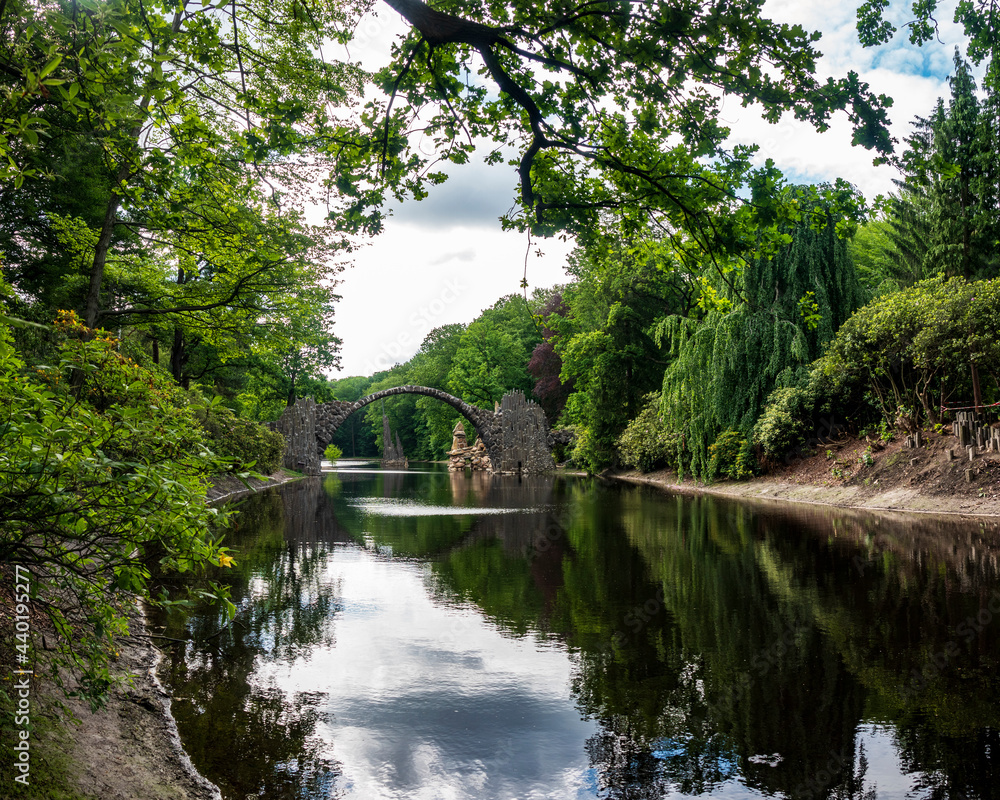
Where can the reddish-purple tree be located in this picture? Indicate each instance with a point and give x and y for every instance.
(545, 365)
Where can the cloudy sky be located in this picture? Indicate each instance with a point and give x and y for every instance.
(444, 259)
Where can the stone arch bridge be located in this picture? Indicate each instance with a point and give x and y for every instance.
(516, 433)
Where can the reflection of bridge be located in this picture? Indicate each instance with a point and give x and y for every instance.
(516, 435)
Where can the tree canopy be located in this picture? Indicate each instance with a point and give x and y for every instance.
(599, 106)
(611, 106)
(980, 21)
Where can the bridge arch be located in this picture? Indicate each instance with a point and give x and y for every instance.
(330, 416)
(516, 436)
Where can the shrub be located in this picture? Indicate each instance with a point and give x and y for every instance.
(249, 444)
(332, 452)
(917, 346)
(646, 444)
(731, 456)
(785, 423)
(93, 498)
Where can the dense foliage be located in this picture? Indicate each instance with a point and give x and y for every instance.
(103, 474)
(946, 216)
(761, 332)
(245, 443)
(916, 349)
(132, 191)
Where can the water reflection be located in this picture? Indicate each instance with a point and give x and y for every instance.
(438, 635)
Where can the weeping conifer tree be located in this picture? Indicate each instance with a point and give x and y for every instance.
(910, 234)
(770, 325)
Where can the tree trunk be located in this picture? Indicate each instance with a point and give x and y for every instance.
(101, 254)
(440, 28)
(114, 202)
(178, 357)
(156, 351)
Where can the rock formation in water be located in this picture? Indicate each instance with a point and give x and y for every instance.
(392, 452)
(463, 455)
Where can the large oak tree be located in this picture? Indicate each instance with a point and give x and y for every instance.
(600, 106)
(611, 106)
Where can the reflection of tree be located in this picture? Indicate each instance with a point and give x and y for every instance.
(391, 529)
(771, 684)
(898, 611)
(407, 526)
(793, 597)
(254, 739)
(706, 637)
(628, 769)
(709, 636)
(951, 766)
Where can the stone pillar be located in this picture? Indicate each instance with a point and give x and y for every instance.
(524, 435)
(298, 425)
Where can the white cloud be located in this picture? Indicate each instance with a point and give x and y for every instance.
(412, 279)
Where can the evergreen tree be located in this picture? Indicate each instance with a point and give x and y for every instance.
(949, 176)
(948, 205)
(986, 183)
(909, 233)
(945, 216)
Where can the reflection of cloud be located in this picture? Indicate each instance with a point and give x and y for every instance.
(405, 507)
(429, 700)
(500, 741)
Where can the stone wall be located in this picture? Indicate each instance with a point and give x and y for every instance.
(524, 434)
(298, 426)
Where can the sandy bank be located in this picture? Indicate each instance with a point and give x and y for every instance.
(897, 499)
(937, 478)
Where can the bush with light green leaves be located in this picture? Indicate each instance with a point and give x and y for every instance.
(103, 478)
(646, 444)
(906, 352)
(332, 452)
(731, 457)
(248, 444)
(917, 348)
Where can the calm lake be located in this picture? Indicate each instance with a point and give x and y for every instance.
(433, 636)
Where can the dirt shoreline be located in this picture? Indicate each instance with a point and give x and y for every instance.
(131, 749)
(776, 492)
(858, 474)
